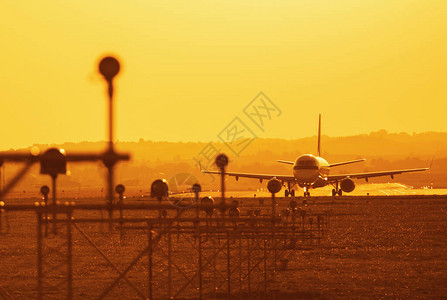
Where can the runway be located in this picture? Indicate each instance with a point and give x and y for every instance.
(363, 191)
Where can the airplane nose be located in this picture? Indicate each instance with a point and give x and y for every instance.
(307, 176)
(306, 169)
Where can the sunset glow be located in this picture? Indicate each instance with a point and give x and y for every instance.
(189, 67)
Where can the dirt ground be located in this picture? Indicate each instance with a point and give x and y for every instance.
(375, 248)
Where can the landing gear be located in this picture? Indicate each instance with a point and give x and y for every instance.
(288, 192)
(336, 190)
(306, 192)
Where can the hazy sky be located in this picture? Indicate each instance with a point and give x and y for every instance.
(190, 67)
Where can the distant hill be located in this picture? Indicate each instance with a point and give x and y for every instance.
(151, 160)
(375, 144)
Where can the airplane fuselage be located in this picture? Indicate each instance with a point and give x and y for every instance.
(310, 171)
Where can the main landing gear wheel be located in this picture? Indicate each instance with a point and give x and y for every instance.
(288, 192)
(337, 192)
(306, 194)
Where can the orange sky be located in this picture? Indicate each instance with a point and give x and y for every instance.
(190, 67)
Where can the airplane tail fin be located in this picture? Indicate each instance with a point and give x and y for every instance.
(319, 135)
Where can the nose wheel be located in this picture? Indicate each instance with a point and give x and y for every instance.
(306, 192)
(288, 192)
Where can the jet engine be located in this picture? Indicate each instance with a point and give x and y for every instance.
(347, 185)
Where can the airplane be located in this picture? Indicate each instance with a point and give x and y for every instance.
(310, 172)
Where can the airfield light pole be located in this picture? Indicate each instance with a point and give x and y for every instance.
(196, 189)
(53, 162)
(119, 189)
(45, 190)
(109, 67)
(159, 189)
(221, 163)
(39, 254)
(274, 186)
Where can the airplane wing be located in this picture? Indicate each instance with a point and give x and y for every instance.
(284, 178)
(346, 162)
(285, 162)
(333, 178)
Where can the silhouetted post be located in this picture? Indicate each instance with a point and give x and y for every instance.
(149, 259)
(109, 67)
(45, 190)
(69, 252)
(240, 263)
(274, 186)
(265, 266)
(53, 182)
(221, 163)
(169, 264)
(248, 268)
(200, 266)
(159, 189)
(53, 162)
(228, 267)
(119, 189)
(39, 253)
(196, 189)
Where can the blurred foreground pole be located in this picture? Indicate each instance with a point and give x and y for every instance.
(109, 67)
(39, 254)
(221, 162)
(274, 186)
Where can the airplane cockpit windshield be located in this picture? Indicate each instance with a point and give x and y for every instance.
(306, 162)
